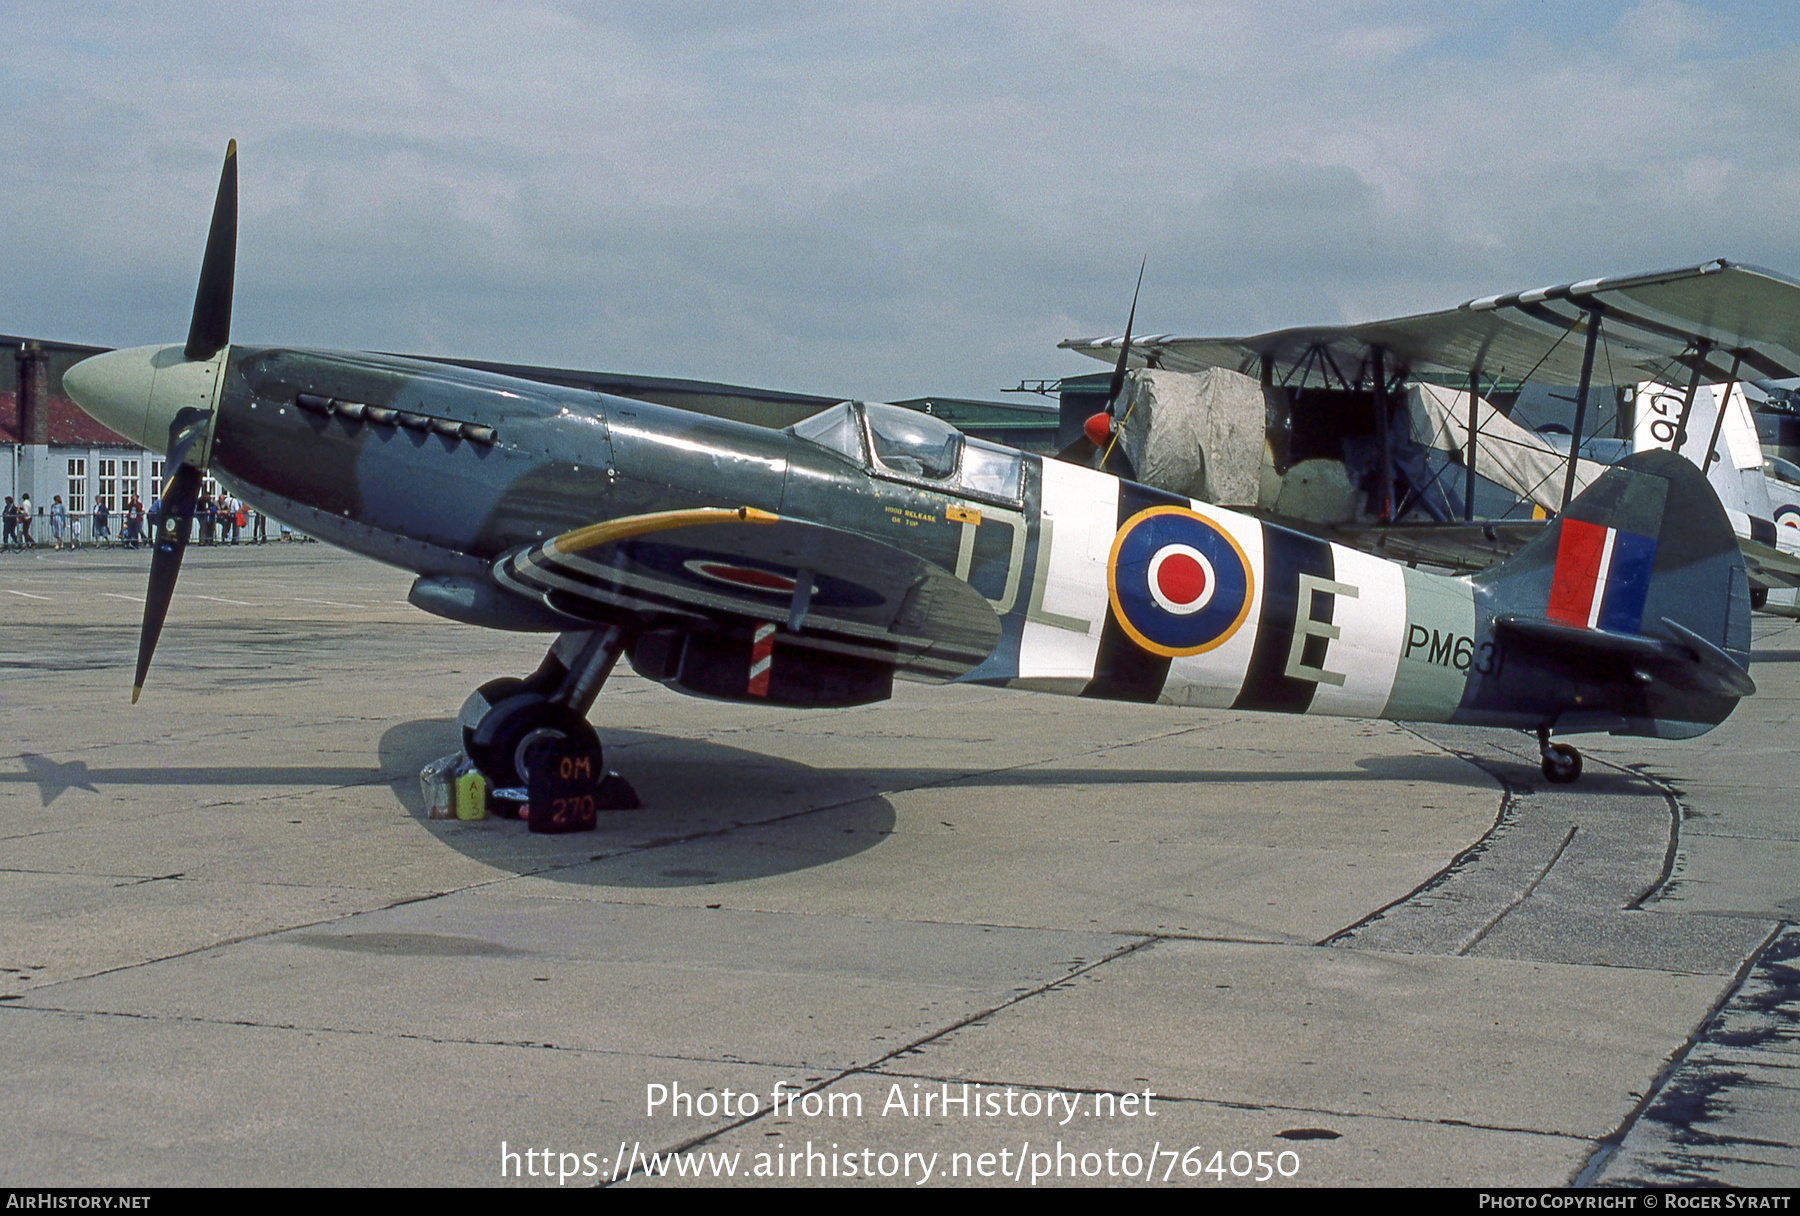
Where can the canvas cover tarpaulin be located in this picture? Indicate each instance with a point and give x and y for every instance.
(1506, 453)
(1202, 435)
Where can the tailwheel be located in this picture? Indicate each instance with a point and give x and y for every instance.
(1562, 763)
(502, 743)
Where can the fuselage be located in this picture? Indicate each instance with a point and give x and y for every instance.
(1102, 587)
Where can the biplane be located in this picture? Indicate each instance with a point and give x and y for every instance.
(1351, 411)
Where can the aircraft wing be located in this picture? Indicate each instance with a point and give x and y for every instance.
(833, 590)
(1768, 561)
(772, 408)
(1651, 325)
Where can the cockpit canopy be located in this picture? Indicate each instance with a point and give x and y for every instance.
(907, 445)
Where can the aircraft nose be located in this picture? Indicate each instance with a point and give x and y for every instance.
(137, 392)
(115, 388)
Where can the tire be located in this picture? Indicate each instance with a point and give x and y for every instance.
(544, 680)
(1562, 764)
(498, 745)
(480, 703)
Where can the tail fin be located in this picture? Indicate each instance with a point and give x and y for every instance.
(1736, 468)
(1643, 569)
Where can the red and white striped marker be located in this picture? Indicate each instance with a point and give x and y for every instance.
(762, 653)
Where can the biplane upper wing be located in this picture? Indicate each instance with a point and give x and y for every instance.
(1652, 324)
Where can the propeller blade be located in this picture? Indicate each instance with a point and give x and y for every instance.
(180, 497)
(186, 429)
(211, 326)
(1118, 376)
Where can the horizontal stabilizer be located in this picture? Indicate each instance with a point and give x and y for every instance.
(1685, 659)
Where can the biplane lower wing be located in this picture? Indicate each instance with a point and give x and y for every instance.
(1459, 548)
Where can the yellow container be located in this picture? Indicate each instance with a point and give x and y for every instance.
(471, 795)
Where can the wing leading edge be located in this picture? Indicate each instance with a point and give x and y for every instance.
(826, 589)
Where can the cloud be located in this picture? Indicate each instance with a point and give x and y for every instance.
(1664, 29)
(844, 199)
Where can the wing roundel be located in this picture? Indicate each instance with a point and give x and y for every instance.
(828, 589)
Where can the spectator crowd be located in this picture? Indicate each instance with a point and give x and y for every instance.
(218, 520)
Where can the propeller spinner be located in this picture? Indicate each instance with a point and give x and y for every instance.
(165, 396)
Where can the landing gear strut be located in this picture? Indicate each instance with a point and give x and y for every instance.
(1562, 763)
(504, 720)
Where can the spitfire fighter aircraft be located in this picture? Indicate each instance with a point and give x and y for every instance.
(813, 566)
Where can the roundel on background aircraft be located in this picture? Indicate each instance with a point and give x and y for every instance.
(1179, 583)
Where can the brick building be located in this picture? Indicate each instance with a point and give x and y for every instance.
(48, 446)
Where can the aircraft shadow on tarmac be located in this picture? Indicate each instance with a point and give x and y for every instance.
(780, 815)
(714, 813)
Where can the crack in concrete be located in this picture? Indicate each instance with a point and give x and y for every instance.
(1474, 939)
(1608, 1146)
(1228, 1104)
(407, 1035)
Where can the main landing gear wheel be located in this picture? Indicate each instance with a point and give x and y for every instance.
(480, 702)
(500, 744)
(1562, 763)
(545, 680)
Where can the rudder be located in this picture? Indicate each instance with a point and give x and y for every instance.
(1646, 542)
(1640, 581)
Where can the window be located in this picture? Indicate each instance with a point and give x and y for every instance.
(836, 429)
(156, 478)
(128, 480)
(917, 447)
(913, 444)
(77, 496)
(991, 469)
(107, 492)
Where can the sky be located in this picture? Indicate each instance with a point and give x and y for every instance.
(872, 201)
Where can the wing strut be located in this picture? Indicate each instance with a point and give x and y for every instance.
(1382, 427)
(1723, 400)
(1469, 447)
(1581, 398)
(1687, 402)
